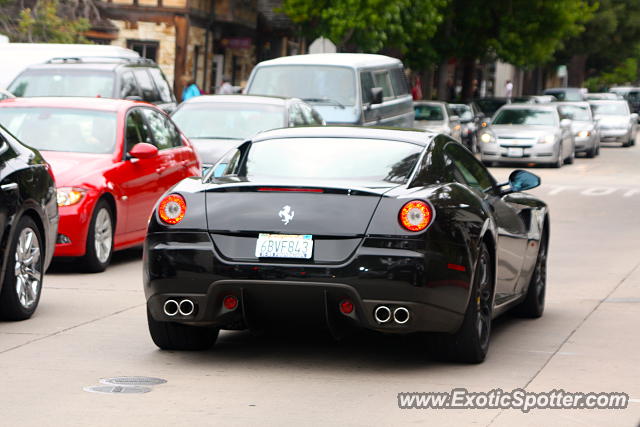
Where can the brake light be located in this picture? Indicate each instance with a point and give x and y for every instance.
(172, 209)
(416, 215)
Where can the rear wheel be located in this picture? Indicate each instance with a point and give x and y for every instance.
(533, 304)
(100, 239)
(471, 343)
(176, 336)
(23, 276)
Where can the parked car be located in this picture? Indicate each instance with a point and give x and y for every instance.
(111, 158)
(436, 116)
(393, 231)
(137, 79)
(566, 93)
(486, 107)
(5, 94)
(345, 88)
(216, 124)
(630, 94)
(596, 96)
(617, 122)
(468, 123)
(586, 130)
(527, 133)
(24, 55)
(533, 99)
(28, 226)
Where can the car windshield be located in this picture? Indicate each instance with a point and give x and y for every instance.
(315, 84)
(610, 109)
(489, 106)
(565, 95)
(575, 112)
(322, 158)
(63, 83)
(62, 129)
(462, 111)
(218, 120)
(525, 116)
(429, 112)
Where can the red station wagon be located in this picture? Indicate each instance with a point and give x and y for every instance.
(112, 159)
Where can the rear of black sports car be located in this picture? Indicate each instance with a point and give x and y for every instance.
(221, 266)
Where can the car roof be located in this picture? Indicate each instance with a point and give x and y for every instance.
(102, 104)
(608, 101)
(360, 60)
(550, 107)
(414, 136)
(238, 99)
(563, 89)
(440, 103)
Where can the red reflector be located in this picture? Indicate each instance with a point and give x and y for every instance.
(456, 267)
(297, 190)
(230, 302)
(346, 306)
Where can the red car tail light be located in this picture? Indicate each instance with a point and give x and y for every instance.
(230, 302)
(416, 215)
(346, 306)
(172, 209)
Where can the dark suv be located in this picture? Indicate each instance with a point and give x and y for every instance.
(137, 79)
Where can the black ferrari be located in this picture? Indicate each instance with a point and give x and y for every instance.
(28, 226)
(396, 231)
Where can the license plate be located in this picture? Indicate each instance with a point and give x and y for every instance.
(284, 246)
(515, 152)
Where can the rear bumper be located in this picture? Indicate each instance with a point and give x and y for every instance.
(188, 266)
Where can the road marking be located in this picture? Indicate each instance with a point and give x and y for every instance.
(599, 191)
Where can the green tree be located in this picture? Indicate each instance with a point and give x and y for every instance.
(366, 25)
(44, 24)
(610, 39)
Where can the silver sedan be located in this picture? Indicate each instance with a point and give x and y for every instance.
(586, 130)
(527, 133)
(438, 117)
(617, 123)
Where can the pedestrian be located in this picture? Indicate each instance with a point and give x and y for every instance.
(416, 88)
(508, 89)
(190, 88)
(225, 88)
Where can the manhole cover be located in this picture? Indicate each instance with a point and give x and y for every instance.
(132, 381)
(117, 389)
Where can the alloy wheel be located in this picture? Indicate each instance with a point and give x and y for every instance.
(483, 301)
(103, 232)
(27, 268)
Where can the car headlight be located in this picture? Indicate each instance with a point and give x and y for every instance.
(584, 134)
(547, 139)
(486, 137)
(67, 196)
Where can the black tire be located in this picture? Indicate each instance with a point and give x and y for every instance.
(20, 302)
(177, 336)
(95, 261)
(592, 152)
(533, 305)
(569, 160)
(558, 164)
(471, 343)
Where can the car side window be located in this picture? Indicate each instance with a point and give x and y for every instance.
(149, 92)
(381, 79)
(163, 130)
(161, 83)
(366, 82)
(399, 82)
(296, 117)
(136, 130)
(466, 168)
(128, 85)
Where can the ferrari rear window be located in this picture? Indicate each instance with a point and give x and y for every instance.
(336, 158)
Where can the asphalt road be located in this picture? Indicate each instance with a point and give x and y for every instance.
(93, 326)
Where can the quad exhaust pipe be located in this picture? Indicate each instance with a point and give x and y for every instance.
(383, 314)
(185, 307)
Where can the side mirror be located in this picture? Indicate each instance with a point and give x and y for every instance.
(454, 118)
(565, 123)
(143, 150)
(521, 180)
(376, 95)
(634, 117)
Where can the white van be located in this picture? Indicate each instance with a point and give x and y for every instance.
(345, 88)
(15, 57)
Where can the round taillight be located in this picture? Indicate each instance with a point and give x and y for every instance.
(346, 306)
(172, 209)
(230, 302)
(416, 215)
